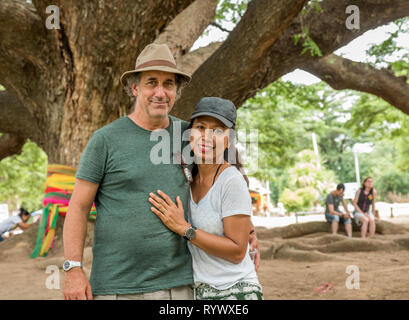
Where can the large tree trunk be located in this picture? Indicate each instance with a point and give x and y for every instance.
(63, 84)
(67, 80)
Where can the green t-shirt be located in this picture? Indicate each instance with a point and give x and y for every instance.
(133, 251)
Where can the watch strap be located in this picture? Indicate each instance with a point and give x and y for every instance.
(69, 264)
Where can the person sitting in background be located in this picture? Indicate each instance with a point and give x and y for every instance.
(13, 221)
(364, 198)
(332, 212)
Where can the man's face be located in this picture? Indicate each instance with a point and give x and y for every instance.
(156, 93)
(25, 218)
(340, 192)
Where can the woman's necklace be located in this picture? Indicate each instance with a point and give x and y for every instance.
(214, 178)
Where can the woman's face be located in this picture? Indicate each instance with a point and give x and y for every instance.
(209, 138)
(369, 183)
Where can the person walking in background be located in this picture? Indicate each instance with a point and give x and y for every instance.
(364, 198)
(332, 212)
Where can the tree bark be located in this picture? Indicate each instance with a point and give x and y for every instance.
(75, 88)
(183, 31)
(11, 144)
(15, 118)
(191, 61)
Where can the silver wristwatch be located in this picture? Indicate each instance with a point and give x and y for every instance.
(69, 264)
(190, 233)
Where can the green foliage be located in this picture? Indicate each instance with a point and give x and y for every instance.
(382, 165)
(308, 195)
(393, 182)
(230, 11)
(308, 44)
(390, 54)
(22, 178)
(309, 181)
(382, 122)
(299, 200)
(280, 180)
(277, 114)
(309, 173)
(291, 201)
(286, 115)
(388, 49)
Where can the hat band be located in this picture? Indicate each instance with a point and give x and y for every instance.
(154, 63)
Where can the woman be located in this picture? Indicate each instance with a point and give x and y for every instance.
(220, 208)
(364, 198)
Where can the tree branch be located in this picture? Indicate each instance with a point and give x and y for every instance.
(194, 59)
(240, 55)
(243, 72)
(218, 26)
(329, 32)
(11, 144)
(28, 56)
(187, 26)
(341, 73)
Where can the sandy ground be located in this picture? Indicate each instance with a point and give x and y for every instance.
(382, 275)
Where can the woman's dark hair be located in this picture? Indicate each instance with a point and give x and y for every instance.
(231, 155)
(23, 212)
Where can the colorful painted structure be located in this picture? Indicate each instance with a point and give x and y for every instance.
(58, 188)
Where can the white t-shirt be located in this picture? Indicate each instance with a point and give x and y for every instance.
(9, 223)
(228, 196)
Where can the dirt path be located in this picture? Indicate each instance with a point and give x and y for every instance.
(382, 275)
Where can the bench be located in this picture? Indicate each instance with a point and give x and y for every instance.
(305, 213)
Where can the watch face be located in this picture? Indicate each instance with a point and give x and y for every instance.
(190, 233)
(66, 265)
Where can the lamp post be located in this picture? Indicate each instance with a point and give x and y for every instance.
(358, 179)
(315, 145)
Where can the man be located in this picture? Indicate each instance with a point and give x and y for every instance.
(134, 255)
(332, 212)
(15, 221)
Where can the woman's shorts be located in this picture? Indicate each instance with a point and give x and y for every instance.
(336, 218)
(240, 291)
(358, 215)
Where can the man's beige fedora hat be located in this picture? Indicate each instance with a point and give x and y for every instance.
(155, 57)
